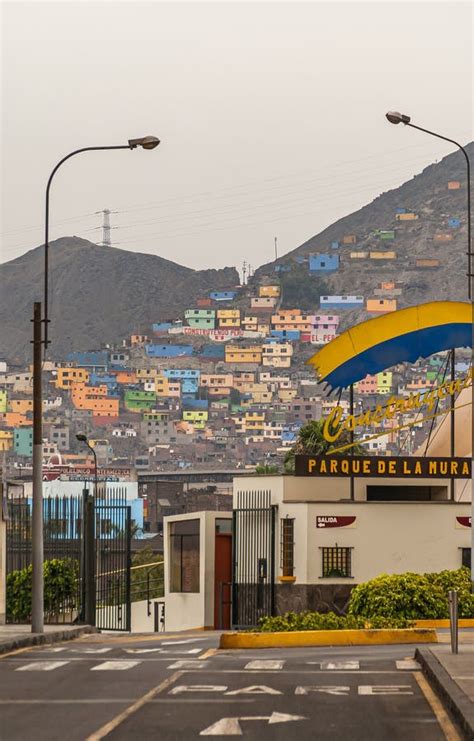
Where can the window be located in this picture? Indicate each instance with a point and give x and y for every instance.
(184, 556)
(466, 557)
(287, 546)
(337, 562)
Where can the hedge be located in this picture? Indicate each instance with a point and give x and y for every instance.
(61, 580)
(326, 621)
(412, 596)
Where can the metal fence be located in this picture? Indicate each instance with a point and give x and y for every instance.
(87, 542)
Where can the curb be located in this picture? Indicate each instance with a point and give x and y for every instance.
(40, 639)
(444, 623)
(327, 638)
(452, 696)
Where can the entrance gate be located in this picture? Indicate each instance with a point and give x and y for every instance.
(253, 562)
(87, 554)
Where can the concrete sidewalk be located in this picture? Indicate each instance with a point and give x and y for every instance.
(452, 676)
(20, 636)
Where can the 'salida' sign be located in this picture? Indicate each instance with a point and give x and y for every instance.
(390, 467)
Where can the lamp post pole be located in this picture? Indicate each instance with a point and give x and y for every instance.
(395, 118)
(37, 619)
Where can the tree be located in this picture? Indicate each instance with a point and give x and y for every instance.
(311, 441)
(263, 469)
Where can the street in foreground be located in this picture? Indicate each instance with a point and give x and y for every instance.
(180, 687)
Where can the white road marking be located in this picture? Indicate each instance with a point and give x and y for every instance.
(324, 689)
(255, 689)
(340, 665)
(385, 689)
(174, 651)
(232, 727)
(408, 664)
(188, 664)
(177, 643)
(90, 650)
(264, 664)
(41, 666)
(197, 688)
(114, 666)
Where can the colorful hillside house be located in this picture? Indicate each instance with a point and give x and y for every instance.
(323, 263)
(454, 223)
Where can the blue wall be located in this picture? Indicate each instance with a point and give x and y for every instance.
(322, 263)
(222, 295)
(89, 359)
(168, 351)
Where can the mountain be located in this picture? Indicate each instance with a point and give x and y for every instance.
(98, 295)
(426, 195)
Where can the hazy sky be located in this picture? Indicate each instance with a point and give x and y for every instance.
(271, 117)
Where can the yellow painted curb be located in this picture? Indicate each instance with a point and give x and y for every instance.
(327, 638)
(462, 622)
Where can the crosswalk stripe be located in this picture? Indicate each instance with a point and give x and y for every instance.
(188, 664)
(265, 664)
(340, 665)
(41, 666)
(111, 666)
(90, 650)
(56, 650)
(408, 664)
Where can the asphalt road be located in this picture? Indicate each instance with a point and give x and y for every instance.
(180, 687)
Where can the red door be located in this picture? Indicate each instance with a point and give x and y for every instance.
(222, 580)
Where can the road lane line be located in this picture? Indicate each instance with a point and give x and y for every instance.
(41, 666)
(90, 650)
(115, 666)
(445, 722)
(132, 709)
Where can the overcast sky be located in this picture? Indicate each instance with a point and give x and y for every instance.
(271, 117)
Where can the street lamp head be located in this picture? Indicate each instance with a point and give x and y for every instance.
(395, 117)
(81, 437)
(146, 142)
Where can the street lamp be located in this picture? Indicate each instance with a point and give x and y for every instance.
(83, 439)
(395, 118)
(37, 618)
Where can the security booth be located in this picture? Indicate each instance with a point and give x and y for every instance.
(301, 542)
(198, 570)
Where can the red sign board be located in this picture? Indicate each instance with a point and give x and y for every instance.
(463, 521)
(325, 521)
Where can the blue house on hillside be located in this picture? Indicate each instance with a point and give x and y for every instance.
(168, 351)
(222, 295)
(97, 360)
(322, 263)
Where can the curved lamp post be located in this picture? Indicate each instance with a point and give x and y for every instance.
(396, 118)
(83, 439)
(37, 618)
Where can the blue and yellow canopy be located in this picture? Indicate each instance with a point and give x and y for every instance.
(401, 336)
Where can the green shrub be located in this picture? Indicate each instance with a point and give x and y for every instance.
(60, 589)
(412, 596)
(292, 621)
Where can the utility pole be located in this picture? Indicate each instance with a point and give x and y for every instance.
(276, 247)
(37, 616)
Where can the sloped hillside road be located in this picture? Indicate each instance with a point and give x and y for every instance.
(181, 687)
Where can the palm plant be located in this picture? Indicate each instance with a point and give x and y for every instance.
(311, 441)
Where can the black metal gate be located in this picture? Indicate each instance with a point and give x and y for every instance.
(62, 518)
(87, 555)
(253, 559)
(113, 549)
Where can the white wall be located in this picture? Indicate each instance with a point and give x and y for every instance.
(191, 610)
